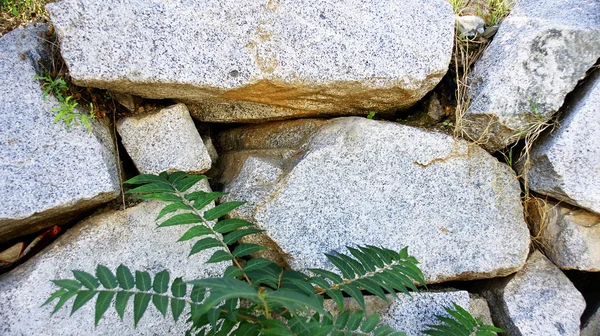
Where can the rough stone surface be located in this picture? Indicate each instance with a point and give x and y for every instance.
(542, 49)
(128, 101)
(360, 181)
(566, 164)
(129, 237)
(260, 60)
(538, 300)
(570, 237)
(412, 314)
(592, 326)
(470, 25)
(164, 141)
(48, 174)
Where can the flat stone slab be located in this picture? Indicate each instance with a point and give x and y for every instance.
(164, 141)
(412, 314)
(129, 237)
(565, 164)
(356, 181)
(570, 237)
(260, 60)
(538, 300)
(542, 49)
(48, 174)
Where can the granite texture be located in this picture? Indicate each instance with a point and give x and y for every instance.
(129, 237)
(260, 60)
(470, 25)
(360, 181)
(538, 300)
(164, 141)
(566, 164)
(412, 314)
(570, 237)
(542, 49)
(592, 326)
(48, 174)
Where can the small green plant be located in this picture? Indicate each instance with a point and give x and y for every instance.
(371, 115)
(461, 322)
(66, 110)
(278, 301)
(447, 123)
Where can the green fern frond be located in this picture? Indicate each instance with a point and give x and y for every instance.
(461, 323)
(372, 269)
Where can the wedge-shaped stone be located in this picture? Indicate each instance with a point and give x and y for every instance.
(48, 174)
(570, 237)
(357, 181)
(164, 141)
(542, 49)
(566, 164)
(127, 237)
(538, 300)
(254, 60)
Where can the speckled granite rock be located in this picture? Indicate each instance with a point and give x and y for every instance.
(412, 314)
(570, 237)
(164, 141)
(360, 181)
(565, 164)
(538, 300)
(47, 173)
(129, 237)
(540, 52)
(592, 326)
(260, 60)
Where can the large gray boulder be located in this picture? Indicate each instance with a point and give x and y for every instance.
(413, 314)
(359, 181)
(129, 237)
(166, 140)
(565, 164)
(259, 60)
(538, 300)
(48, 174)
(570, 237)
(542, 49)
(592, 326)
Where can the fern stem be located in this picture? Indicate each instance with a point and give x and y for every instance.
(335, 286)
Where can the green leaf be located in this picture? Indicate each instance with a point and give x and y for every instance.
(327, 275)
(161, 282)
(121, 302)
(247, 329)
(178, 287)
(198, 293)
(347, 271)
(124, 277)
(86, 279)
(202, 198)
(153, 188)
(63, 299)
(54, 296)
(106, 277)
(257, 264)
(243, 250)
(231, 224)
(355, 293)
(70, 285)
(181, 219)
(294, 300)
(370, 323)
(232, 272)
(213, 316)
(342, 320)
(144, 178)
(187, 182)
(221, 210)
(222, 289)
(355, 319)
(177, 306)
(195, 231)
(165, 197)
(236, 235)
(102, 303)
(81, 299)
(140, 304)
(219, 256)
(161, 303)
(172, 208)
(205, 244)
(337, 297)
(143, 281)
(174, 177)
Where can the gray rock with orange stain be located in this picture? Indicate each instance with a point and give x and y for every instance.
(358, 181)
(129, 237)
(48, 174)
(542, 49)
(260, 60)
(566, 163)
(569, 236)
(164, 141)
(538, 300)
